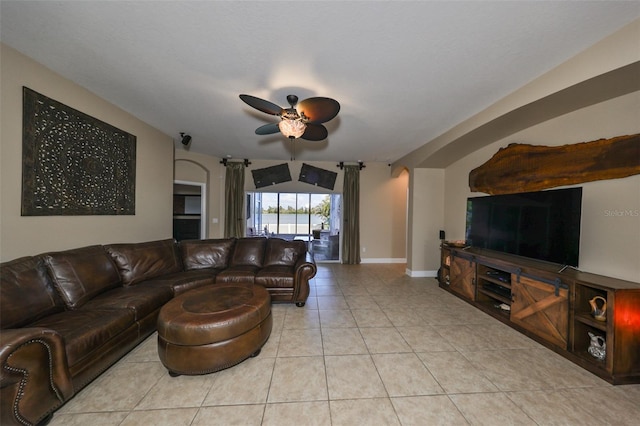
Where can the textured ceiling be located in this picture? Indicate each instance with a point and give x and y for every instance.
(403, 72)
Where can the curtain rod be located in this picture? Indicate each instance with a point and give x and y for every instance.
(360, 163)
(225, 161)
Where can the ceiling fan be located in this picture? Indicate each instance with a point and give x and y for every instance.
(301, 120)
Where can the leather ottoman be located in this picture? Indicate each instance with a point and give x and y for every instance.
(213, 327)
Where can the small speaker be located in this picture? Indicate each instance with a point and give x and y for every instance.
(317, 176)
(271, 175)
(185, 139)
(441, 234)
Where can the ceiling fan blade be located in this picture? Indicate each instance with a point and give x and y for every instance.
(268, 129)
(262, 105)
(315, 132)
(318, 110)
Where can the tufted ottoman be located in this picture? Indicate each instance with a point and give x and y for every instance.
(213, 327)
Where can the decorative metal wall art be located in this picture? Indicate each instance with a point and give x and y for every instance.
(72, 163)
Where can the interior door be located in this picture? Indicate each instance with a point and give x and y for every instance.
(536, 307)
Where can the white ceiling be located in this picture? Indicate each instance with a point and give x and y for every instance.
(403, 72)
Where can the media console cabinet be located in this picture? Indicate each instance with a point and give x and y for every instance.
(551, 304)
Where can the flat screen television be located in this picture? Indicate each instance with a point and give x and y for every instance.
(543, 225)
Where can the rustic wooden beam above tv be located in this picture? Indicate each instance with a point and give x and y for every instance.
(524, 168)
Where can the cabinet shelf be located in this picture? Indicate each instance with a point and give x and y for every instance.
(495, 296)
(590, 321)
(490, 279)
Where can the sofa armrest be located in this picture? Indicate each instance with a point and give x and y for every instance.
(304, 270)
(34, 376)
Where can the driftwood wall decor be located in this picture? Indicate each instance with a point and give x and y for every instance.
(74, 164)
(524, 168)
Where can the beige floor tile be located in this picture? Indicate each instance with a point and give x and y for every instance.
(311, 303)
(235, 415)
(111, 418)
(302, 342)
(298, 379)
(177, 392)
(550, 407)
(328, 290)
(360, 301)
(370, 318)
(501, 336)
(297, 414)
(403, 317)
(353, 376)
(631, 392)
(145, 351)
(425, 339)
(336, 319)
(509, 370)
(490, 409)
(354, 289)
(343, 341)
(608, 408)
(301, 318)
(246, 383)
(384, 340)
(428, 410)
(405, 375)
(115, 390)
(332, 302)
(270, 348)
(330, 366)
(350, 412)
(455, 373)
(165, 417)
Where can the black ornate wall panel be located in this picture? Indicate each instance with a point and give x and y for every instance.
(72, 163)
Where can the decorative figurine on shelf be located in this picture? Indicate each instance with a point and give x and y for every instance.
(597, 347)
(599, 313)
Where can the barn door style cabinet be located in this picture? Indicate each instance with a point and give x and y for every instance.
(554, 307)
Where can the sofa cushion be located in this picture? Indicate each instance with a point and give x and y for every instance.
(238, 274)
(143, 299)
(26, 292)
(86, 330)
(275, 276)
(81, 274)
(141, 261)
(200, 254)
(282, 252)
(248, 252)
(180, 282)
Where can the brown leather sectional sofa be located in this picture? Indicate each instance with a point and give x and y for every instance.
(68, 316)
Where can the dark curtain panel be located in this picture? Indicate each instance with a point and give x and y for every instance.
(234, 200)
(351, 218)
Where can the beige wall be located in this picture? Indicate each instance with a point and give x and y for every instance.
(383, 199)
(426, 216)
(609, 244)
(610, 236)
(21, 236)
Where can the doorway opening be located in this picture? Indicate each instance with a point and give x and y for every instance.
(189, 210)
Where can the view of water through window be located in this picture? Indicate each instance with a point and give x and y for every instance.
(313, 218)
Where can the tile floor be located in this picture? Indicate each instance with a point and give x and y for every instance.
(371, 347)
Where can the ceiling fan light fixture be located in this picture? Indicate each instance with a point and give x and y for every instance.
(292, 128)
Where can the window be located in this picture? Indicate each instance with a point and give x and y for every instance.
(302, 216)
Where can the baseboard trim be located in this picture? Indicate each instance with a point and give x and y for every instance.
(422, 274)
(383, 260)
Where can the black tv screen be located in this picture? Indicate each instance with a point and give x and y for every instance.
(543, 225)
